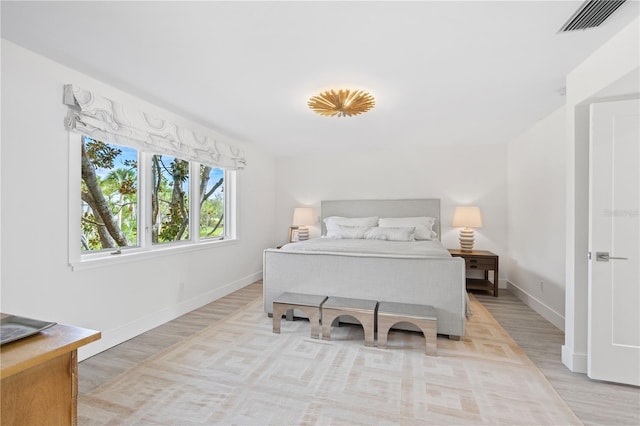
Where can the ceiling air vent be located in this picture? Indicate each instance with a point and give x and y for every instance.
(591, 14)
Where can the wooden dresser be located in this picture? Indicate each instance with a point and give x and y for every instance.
(40, 377)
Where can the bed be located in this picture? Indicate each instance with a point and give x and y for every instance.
(345, 268)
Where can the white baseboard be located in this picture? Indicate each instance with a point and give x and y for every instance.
(121, 334)
(573, 361)
(545, 311)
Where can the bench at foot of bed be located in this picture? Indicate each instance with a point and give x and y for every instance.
(310, 304)
(422, 316)
(361, 309)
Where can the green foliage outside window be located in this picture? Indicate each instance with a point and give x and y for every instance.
(169, 199)
(109, 191)
(109, 196)
(211, 202)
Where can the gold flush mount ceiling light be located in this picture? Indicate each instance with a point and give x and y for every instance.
(342, 103)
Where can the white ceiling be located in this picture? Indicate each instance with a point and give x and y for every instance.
(445, 72)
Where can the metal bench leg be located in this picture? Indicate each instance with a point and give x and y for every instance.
(429, 329)
(314, 321)
(368, 324)
(327, 319)
(383, 334)
(278, 311)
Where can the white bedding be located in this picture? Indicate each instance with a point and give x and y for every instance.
(364, 247)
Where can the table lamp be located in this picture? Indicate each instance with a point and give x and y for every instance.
(302, 217)
(466, 218)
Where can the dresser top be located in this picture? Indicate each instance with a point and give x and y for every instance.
(25, 353)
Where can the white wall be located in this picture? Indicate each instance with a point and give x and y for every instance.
(458, 176)
(536, 217)
(121, 300)
(614, 61)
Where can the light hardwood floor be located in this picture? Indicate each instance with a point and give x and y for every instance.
(106, 365)
(595, 403)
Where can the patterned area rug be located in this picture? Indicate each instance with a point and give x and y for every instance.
(238, 372)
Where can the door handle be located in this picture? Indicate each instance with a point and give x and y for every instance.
(603, 256)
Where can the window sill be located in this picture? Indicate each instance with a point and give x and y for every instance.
(137, 255)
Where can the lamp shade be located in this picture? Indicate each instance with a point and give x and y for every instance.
(303, 216)
(467, 217)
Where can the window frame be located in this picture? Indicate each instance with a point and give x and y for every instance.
(145, 249)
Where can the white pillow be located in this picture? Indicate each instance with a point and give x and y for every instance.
(332, 221)
(347, 232)
(423, 225)
(390, 234)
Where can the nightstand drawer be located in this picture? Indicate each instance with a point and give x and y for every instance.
(479, 263)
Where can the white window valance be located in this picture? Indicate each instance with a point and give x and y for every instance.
(112, 122)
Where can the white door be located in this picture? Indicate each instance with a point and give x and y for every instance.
(614, 242)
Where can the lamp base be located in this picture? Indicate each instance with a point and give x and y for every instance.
(298, 233)
(303, 233)
(466, 239)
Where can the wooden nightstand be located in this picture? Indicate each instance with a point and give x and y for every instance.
(480, 260)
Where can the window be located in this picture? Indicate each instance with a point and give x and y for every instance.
(169, 199)
(144, 185)
(109, 194)
(124, 192)
(211, 202)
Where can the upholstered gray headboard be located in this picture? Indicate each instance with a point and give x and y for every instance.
(383, 208)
